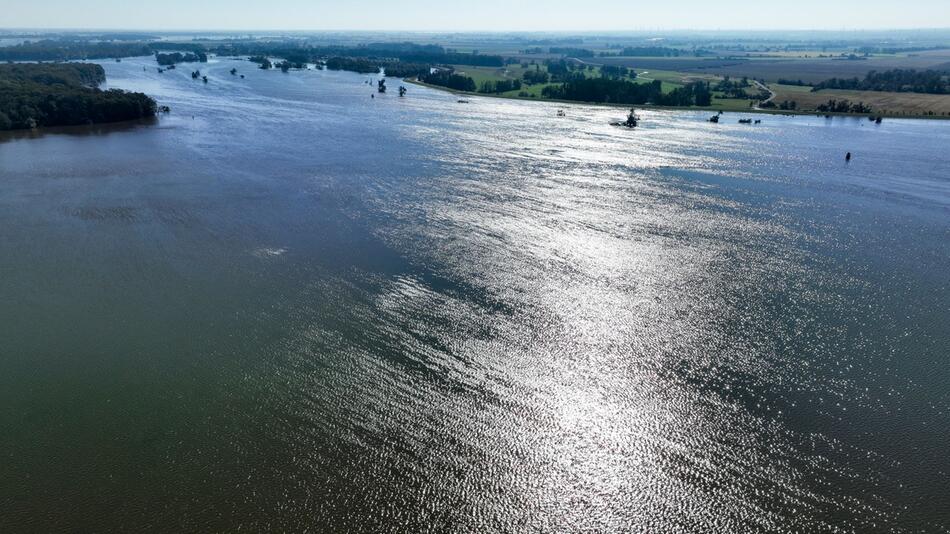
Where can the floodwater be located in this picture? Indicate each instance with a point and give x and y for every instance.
(288, 306)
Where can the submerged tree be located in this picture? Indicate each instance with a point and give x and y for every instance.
(632, 119)
(261, 61)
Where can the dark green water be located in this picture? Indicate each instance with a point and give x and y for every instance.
(290, 307)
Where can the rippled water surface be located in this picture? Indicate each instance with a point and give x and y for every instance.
(288, 306)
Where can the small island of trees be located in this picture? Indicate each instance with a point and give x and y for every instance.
(178, 57)
(262, 62)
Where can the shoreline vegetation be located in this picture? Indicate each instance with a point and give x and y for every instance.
(666, 75)
(832, 108)
(38, 95)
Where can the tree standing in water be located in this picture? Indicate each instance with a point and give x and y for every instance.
(632, 119)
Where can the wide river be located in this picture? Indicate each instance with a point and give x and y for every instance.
(288, 306)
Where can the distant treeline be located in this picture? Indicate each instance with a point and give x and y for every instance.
(785, 81)
(178, 57)
(124, 36)
(178, 47)
(647, 51)
(380, 54)
(896, 80)
(571, 52)
(897, 50)
(409, 53)
(73, 74)
(619, 91)
(68, 49)
(403, 60)
(35, 95)
(547, 42)
(365, 59)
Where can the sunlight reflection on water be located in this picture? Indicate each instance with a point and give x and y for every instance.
(310, 308)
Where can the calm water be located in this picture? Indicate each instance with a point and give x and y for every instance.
(288, 307)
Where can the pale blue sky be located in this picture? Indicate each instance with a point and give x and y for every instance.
(476, 14)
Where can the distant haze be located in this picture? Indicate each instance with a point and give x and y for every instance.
(496, 15)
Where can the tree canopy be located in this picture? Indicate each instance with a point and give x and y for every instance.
(620, 91)
(178, 57)
(445, 78)
(35, 95)
(69, 49)
(897, 80)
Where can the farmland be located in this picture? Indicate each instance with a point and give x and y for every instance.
(809, 70)
(680, 61)
(817, 70)
(885, 103)
(804, 66)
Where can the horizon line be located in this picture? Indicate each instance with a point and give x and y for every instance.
(472, 31)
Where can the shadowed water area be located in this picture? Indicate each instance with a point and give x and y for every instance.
(288, 306)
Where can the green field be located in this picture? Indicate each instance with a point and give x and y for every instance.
(670, 80)
(817, 70)
(533, 91)
(910, 104)
(512, 72)
(483, 74)
(895, 104)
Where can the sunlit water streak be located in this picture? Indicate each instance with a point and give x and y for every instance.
(289, 306)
